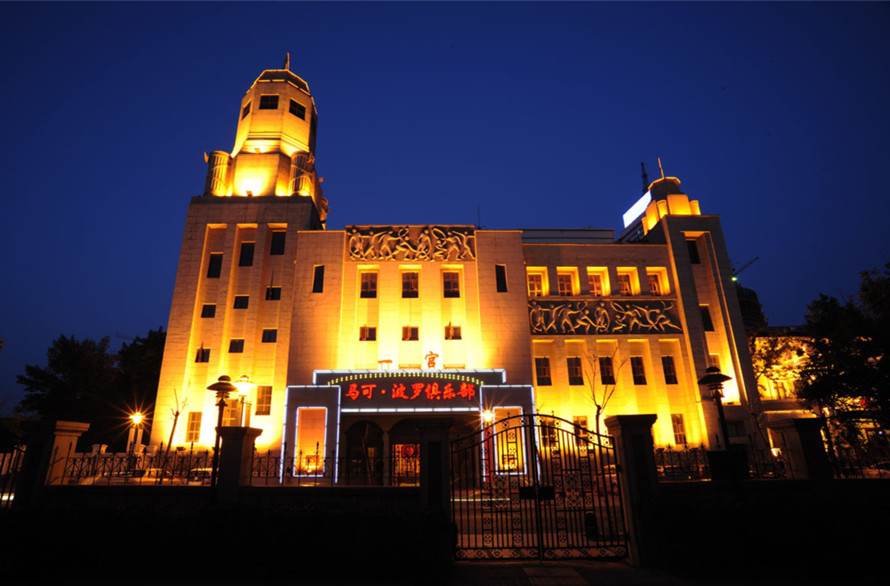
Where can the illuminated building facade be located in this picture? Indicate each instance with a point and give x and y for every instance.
(347, 335)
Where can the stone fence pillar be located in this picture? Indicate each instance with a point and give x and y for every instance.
(435, 479)
(802, 443)
(635, 451)
(235, 460)
(49, 445)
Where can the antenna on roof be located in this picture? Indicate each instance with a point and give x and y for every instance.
(659, 167)
(645, 177)
(287, 61)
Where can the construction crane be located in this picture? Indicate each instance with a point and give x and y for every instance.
(735, 273)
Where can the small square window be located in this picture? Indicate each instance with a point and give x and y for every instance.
(367, 334)
(452, 332)
(542, 371)
(209, 310)
(246, 257)
(241, 301)
(638, 370)
(576, 371)
(270, 336)
(565, 284)
(535, 285)
(273, 293)
(236, 346)
(268, 102)
(670, 371)
(624, 284)
(654, 283)
(410, 285)
(297, 109)
(203, 355)
(245, 110)
(410, 334)
(707, 324)
(278, 240)
(607, 372)
(500, 274)
(368, 286)
(263, 400)
(595, 281)
(451, 284)
(214, 265)
(318, 279)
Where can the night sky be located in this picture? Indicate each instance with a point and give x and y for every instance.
(774, 116)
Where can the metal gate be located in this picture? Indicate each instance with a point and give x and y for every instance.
(536, 486)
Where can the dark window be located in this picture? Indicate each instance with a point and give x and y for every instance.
(236, 346)
(410, 285)
(452, 332)
(576, 372)
(263, 400)
(268, 102)
(245, 111)
(214, 266)
(736, 428)
(209, 310)
(203, 355)
(277, 243)
(451, 284)
(639, 372)
(367, 334)
(706, 319)
(692, 246)
(410, 334)
(500, 275)
(670, 372)
(369, 285)
(297, 109)
(318, 279)
(273, 293)
(542, 371)
(241, 301)
(607, 373)
(246, 258)
(270, 336)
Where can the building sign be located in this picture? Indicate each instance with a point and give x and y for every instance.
(441, 243)
(415, 390)
(637, 209)
(602, 317)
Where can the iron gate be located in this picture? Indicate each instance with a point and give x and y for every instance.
(536, 486)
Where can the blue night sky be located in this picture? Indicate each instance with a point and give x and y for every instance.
(774, 116)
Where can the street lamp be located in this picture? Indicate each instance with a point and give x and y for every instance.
(222, 388)
(136, 420)
(714, 379)
(245, 385)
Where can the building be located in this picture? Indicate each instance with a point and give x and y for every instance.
(347, 335)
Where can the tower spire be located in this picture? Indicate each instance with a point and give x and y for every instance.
(645, 177)
(287, 61)
(660, 168)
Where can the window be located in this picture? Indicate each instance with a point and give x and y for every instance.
(607, 373)
(500, 275)
(654, 283)
(670, 372)
(241, 301)
(273, 293)
(203, 355)
(214, 265)
(318, 279)
(278, 239)
(452, 332)
(564, 284)
(297, 109)
(579, 422)
(692, 247)
(236, 346)
(270, 336)
(246, 257)
(639, 372)
(367, 334)
(535, 285)
(624, 284)
(310, 452)
(268, 102)
(451, 284)
(679, 428)
(707, 324)
(368, 286)
(542, 371)
(595, 282)
(209, 310)
(410, 334)
(193, 427)
(245, 111)
(263, 400)
(410, 285)
(576, 373)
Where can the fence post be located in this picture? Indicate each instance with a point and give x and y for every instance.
(235, 459)
(804, 446)
(49, 443)
(635, 451)
(435, 485)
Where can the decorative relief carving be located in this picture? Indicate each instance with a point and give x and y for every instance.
(604, 317)
(442, 243)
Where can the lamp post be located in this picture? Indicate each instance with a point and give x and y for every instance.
(136, 420)
(714, 379)
(244, 385)
(222, 388)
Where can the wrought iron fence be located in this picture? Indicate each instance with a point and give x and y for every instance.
(10, 464)
(850, 462)
(317, 469)
(176, 468)
(691, 463)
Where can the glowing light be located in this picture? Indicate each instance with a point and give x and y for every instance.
(637, 209)
(137, 418)
(487, 416)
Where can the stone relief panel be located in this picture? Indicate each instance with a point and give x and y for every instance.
(442, 243)
(602, 317)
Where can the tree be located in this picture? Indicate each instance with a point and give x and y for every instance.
(600, 396)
